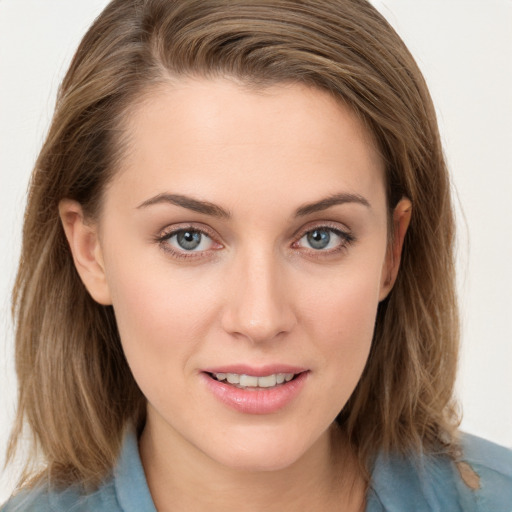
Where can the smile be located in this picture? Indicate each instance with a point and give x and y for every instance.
(265, 393)
(244, 381)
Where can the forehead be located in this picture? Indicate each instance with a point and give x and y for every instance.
(216, 137)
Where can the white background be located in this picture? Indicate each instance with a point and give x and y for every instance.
(464, 48)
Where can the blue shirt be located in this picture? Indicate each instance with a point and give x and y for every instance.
(398, 484)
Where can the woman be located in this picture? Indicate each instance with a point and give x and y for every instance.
(236, 287)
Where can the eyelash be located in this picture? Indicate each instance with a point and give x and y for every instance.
(164, 238)
(346, 240)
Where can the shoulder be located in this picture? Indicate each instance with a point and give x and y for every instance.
(487, 454)
(436, 483)
(40, 499)
(125, 491)
(492, 464)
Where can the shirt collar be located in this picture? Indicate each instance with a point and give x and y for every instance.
(418, 483)
(130, 481)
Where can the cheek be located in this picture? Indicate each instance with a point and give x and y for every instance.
(158, 318)
(345, 306)
(341, 320)
(354, 314)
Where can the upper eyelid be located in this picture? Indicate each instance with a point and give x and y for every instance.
(169, 231)
(346, 236)
(333, 226)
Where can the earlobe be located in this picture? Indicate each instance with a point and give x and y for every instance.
(401, 219)
(85, 247)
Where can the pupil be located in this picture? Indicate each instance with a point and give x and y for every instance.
(319, 239)
(188, 240)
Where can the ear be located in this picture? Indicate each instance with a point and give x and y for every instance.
(85, 247)
(401, 219)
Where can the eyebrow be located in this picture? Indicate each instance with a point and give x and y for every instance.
(189, 203)
(333, 200)
(214, 210)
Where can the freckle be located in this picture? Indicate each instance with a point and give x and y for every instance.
(468, 475)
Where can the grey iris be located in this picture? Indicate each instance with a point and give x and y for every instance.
(188, 240)
(319, 238)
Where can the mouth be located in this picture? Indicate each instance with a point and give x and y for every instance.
(251, 390)
(253, 382)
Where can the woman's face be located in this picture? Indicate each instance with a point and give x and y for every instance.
(244, 239)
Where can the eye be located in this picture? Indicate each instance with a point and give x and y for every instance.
(319, 238)
(190, 240)
(325, 239)
(186, 242)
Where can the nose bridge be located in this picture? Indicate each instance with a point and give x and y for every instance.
(259, 307)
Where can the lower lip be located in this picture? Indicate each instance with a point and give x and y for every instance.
(259, 400)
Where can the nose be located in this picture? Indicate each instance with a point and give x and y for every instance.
(259, 307)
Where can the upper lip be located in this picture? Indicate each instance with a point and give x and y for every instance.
(255, 371)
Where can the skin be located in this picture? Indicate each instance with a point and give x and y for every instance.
(255, 291)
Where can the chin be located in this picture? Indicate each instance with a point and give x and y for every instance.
(258, 462)
(263, 451)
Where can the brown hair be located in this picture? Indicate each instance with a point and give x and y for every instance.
(76, 392)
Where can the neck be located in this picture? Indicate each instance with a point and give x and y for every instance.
(181, 478)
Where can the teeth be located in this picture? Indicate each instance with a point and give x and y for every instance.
(250, 381)
(267, 382)
(233, 378)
